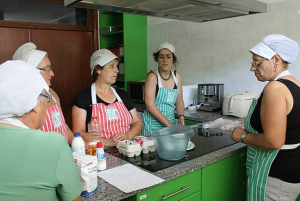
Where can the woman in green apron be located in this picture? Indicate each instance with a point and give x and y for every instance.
(272, 128)
(163, 92)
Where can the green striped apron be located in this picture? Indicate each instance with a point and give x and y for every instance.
(165, 102)
(258, 165)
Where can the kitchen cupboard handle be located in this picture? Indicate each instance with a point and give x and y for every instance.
(181, 190)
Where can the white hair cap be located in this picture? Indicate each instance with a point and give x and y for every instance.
(30, 54)
(168, 46)
(101, 57)
(20, 86)
(270, 45)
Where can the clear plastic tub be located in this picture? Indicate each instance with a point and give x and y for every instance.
(171, 142)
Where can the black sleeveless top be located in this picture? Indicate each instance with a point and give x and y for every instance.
(286, 165)
(157, 88)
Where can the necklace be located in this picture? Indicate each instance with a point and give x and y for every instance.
(166, 79)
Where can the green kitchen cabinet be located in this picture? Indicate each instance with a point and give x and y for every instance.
(225, 180)
(131, 31)
(186, 187)
(190, 122)
(221, 181)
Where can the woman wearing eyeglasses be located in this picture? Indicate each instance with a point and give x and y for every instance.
(55, 120)
(163, 92)
(272, 128)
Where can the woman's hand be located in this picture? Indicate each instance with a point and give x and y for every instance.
(119, 137)
(237, 133)
(181, 121)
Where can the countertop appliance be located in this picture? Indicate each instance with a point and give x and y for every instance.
(188, 10)
(205, 140)
(136, 91)
(210, 97)
(237, 104)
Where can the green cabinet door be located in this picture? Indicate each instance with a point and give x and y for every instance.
(194, 197)
(174, 190)
(189, 122)
(225, 180)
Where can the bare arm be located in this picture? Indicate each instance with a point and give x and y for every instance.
(150, 87)
(135, 128)
(179, 101)
(274, 110)
(70, 134)
(78, 121)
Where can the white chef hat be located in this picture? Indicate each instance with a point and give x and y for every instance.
(270, 45)
(20, 86)
(30, 54)
(101, 57)
(168, 46)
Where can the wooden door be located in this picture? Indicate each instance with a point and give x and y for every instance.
(69, 53)
(10, 40)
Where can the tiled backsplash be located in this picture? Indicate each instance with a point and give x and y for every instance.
(218, 51)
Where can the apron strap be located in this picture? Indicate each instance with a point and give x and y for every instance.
(117, 96)
(93, 92)
(159, 79)
(289, 146)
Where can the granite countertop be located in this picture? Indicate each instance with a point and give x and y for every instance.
(107, 192)
(194, 115)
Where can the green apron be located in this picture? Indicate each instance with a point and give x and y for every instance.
(258, 164)
(165, 102)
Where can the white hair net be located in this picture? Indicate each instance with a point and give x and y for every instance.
(30, 54)
(270, 45)
(101, 57)
(168, 46)
(20, 86)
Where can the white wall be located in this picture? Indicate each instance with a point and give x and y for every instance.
(218, 51)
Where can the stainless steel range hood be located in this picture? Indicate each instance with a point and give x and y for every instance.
(188, 10)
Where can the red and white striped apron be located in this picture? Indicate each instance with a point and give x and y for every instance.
(115, 118)
(55, 121)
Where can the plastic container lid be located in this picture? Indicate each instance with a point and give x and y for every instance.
(99, 145)
(77, 135)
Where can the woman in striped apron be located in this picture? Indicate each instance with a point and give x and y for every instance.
(55, 119)
(113, 107)
(163, 91)
(272, 128)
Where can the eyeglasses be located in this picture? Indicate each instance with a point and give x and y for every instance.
(47, 69)
(47, 96)
(256, 63)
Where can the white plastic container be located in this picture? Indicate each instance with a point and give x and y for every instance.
(129, 148)
(78, 144)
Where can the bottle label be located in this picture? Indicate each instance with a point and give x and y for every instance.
(78, 149)
(100, 155)
(111, 113)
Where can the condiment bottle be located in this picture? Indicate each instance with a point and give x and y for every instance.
(100, 157)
